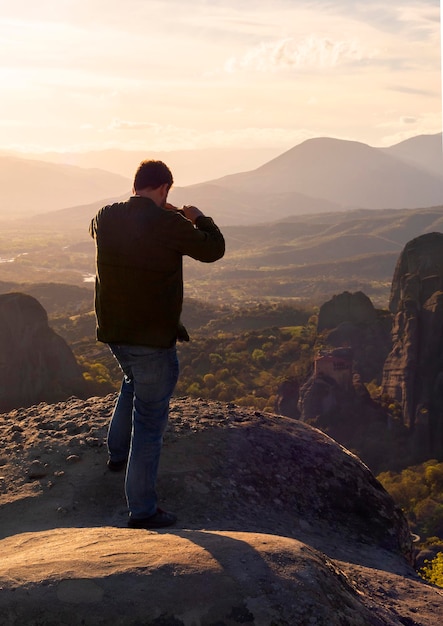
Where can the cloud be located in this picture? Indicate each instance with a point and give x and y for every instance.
(169, 137)
(405, 119)
(219, 73)
(138, 133)
(312, 52)
(416, 91)
(402, 127)
(412, 16)
(10, 123)
(117, 124)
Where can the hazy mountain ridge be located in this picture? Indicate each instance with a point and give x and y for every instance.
(28, 187)
(304, 256)
(325, 171)
(333, 249)
(308, 257)
(55, 297)
(246, 206)
(302, 259)
(187, 165)
(387, 230)
(320, 175)
(424, 151)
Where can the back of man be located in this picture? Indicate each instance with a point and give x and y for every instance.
(140, 245)
(139, 289)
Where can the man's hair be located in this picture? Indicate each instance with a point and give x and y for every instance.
(152, 174)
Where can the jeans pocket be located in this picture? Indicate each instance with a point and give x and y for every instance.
(154, 370)
(156, 373)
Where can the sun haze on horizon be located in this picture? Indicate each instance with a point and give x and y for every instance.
(196, 74)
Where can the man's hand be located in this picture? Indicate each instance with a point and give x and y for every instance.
(191, 212)
(170, 207)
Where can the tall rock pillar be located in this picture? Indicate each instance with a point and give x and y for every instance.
(413, 371)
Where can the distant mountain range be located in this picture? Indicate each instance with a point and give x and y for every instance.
(28, 187)
(326, 174)
(319, 175)
(188, 166)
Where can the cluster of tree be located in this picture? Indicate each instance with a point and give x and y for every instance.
(418, 490)
(247, 368)
(433, 570)
(222, 361)
(99, 379)
(240, 318)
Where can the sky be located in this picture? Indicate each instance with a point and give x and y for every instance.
(80, 75)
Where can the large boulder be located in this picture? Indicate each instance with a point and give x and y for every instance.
(101, 576)
(36, 364)
(278, 525)
(346, 307)
(350, 319)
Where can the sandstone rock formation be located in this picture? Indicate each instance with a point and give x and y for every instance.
(419, 271)
(350, 319)
(346, 307)
(350, 416)
(413, 372)
(334, 398)
(35, 363)
(278, 525)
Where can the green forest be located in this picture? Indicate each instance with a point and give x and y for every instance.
(418, 490)
(246, 369)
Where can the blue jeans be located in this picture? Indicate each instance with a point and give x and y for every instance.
(140, 418)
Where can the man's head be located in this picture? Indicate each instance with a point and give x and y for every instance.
(153, 179)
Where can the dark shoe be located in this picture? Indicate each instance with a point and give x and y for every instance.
(160, 519)
(116, 466)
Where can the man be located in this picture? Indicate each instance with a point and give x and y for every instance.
(140, 246)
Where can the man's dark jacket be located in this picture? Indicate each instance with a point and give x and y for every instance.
(139, 269)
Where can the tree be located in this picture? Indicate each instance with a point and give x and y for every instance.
(433, 570)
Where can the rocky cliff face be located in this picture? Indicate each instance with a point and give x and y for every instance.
(413, 372)
(350, 416)
(278, 524)
(35, 363)
(346, 411)
(350, 319)
(356, 308)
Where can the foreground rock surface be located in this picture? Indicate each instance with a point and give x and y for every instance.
(278, 525)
